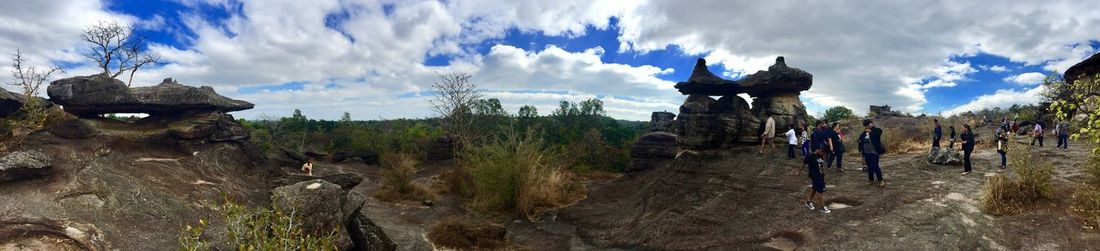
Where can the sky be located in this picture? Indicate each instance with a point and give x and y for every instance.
(377, 59)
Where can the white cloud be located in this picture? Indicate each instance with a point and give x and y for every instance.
(993, 68)
(1001, 98)
(1030, 78)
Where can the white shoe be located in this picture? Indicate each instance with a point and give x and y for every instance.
(825, 210)
(810, 205)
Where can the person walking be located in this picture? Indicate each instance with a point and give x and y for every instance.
(1002, 145)
(1061, 130)
(817, 181)
(1037, 134)
(805, 140)
(768, 137)
(937, 134)
(792, 141)
(951, 145)
(967, 138)
(820, 139)
(870, 146)
(837, 136)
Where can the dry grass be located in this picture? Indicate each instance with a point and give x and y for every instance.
(399, 170)
(1001, 195)
(1086, 204)
(466, 235)
(519, 173)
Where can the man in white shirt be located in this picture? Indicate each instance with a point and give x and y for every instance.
(1037, 134)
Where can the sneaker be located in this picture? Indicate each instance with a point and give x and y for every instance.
(966, 172)
(810, 205)
(825, 210)
(882, 183)
(840, 169)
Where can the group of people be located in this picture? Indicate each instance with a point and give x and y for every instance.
(824, 145)
(1002, 135)
(966, 138)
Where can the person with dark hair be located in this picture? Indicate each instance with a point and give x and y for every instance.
(308, 167)
(1002, 144)
(820, 139)
(951, 145)
(937, 133)
(967, 138)
(805, 140)
(1061, 130)
(837, 138)
(1037, 133)
(870, 145)
(792, 141)
(817, 181)
(768, 137)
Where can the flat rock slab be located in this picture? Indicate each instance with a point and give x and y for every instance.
(24, 165)
(98, 94)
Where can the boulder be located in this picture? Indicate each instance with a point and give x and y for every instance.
(314, 153)
(320, 203)
(346, 181)
(698, 104)
(785, 109)
(11, 102)
(944, 156)
(368, 236)
(778, 79)
(661, 122)
(655, 145)
(1084, 70)
(73, 129)
(294, 155)
(211, 127)
(441, 148)
(98, 94)
(22, 165)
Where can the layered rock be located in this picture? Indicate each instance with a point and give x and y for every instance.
(97, 94)
(775, 93)
(324, 206)
(944, 156)
(24, 165)
(211, 127)
(73, 129)
(652, 149)
(346, 181)
(662, 122)
(1084, 70)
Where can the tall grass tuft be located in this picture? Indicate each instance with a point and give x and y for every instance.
(259, 229)
(1086, 198)
(398, 173)
(517, 172)
(1001, 195)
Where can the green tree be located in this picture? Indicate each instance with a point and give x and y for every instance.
(838, 113)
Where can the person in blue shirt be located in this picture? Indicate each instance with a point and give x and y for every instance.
(837, 138)
(937, 134)
(817, 181)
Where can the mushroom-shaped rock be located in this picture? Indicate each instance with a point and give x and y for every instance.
(99, 94)
(1084, 70)
(778, 79)
(24, 165)
(703, 82)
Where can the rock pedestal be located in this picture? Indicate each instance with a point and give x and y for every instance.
(97, 95)
(662, 122)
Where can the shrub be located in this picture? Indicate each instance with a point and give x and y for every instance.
(1086, 204)
(399, 170)
(464, 235)
(517, 172)
(258, 229)
(1032, 184)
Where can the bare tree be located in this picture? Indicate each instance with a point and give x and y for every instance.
(29, 78)
(117, 49)
(454, 98)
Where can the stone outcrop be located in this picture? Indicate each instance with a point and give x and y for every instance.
(24, 165)
(97, 94)
(73, 129)
(652, 149)
(706, 123)
(367, 157)
(346, 181)
(1086, 69)
(368, 236)
(211, 127)
(662, 122)
(324, 206)
(944, 156)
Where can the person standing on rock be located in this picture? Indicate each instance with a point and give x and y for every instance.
(951, 144)
(937, 134)
(769, 135)
(792, 141)
(308, 167)
(870, 145)
(1002, 144)
(817, 181)
(837, 138)
(1037, 134)
(967, 138)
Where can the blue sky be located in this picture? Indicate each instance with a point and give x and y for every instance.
(377, 59)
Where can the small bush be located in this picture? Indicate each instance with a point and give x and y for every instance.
(1003, 196)
(463, 235)
(399, 170)
(258, 229)
(517, 172)
(1086, 204)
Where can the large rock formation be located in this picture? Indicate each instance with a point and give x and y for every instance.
(24, 165)
(73, 129)
(652, 149)
(325, 206)
(662, 122)
(706, 123)
(97, 94)
(211, 127)
(1086, 69)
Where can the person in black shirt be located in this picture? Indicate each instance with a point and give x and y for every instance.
(817, 181)
(952, 144)
(967, 138)
(937, 134)
(837, 138)
(870, 145)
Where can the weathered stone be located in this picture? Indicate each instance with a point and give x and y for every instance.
(320, 202)
(212, 127)
(294, 155)
(24, 165)
(703, 82)
(661, 122)
(1086, 69)
(778, 79)
(368, 236)
(98, 94)
(785, 109)
(944, 156)
(346, 181)
(314, 153)
(73, 129)
(698, 104)
(11, 102)
(655, 145)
